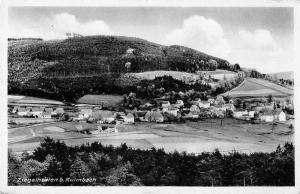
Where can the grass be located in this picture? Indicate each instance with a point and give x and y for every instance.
(150, 75)
(198, 136)
(17, 99)
(252, 87)
(101, 99)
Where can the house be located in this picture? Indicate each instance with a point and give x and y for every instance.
(36, 111)
(22, 112)
(211, 101)
(15, 109)
(148, 104)
(240, 113)
(165, 104)
(171, 110)
(107, 116)
(154, 116)
(190, 115)
(195, 110)
(251, 114)
(45, 115)
(229, 106)
(204, 104)
(86, 112)
(196, 102)
(267, 116)
(280, 115)
(179, 104)
(28, 108)
(129, 118)
(59, 111)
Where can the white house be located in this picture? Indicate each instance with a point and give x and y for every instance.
(14, 110)
(46, 115)
(280, 116)
(204, 104)
(36, 111)
(267, 116)
(195, 109)
(22, 112)
(86, 112)
(165, 104)
(251, 114)
(179, 103)
(171, 110)
(240, 113)
(129, 118)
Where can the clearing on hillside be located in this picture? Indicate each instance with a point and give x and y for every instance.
(220, 74)
(151, 75)
(252, 87)
(104, 100)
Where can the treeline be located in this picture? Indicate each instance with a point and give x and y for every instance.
(124, 165)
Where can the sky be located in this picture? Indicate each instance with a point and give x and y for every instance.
(260, 38)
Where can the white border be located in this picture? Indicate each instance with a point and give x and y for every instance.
(138, 3)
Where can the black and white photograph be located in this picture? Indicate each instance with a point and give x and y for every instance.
(138, 96)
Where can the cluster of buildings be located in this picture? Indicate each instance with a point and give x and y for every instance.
(163, 111)
(37, 111)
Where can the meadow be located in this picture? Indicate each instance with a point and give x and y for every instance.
(193, 137)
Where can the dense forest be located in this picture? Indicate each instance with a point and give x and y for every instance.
(43, 67)
(107, 165)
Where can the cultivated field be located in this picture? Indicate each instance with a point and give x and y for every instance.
(17, 99)
(100, 99)
(150, 75)
(195, 137)
(220, 74)
(252, 87)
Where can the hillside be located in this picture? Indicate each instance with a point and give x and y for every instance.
(252, 87)
(79, 65)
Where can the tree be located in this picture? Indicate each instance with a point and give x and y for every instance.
(270, 98)
(123, 175)
(15, 169)
(220, 100)
(236, 67)
(79, 169)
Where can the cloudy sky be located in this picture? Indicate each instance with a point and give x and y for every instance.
(260, 38)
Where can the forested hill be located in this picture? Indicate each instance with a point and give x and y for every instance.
(29, 60)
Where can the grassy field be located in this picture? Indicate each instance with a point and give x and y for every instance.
(100, 99)
(17, 99)
(150, 75)
(195, 137)
(220, 74)
(252, 87)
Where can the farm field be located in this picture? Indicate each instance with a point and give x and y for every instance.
(252, 87)
(100, 99)
(150, 75)
(220, 74)
(17, 99)
(192, 137)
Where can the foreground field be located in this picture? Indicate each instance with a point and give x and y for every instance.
(192, 137)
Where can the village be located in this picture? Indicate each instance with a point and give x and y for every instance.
(162, 111)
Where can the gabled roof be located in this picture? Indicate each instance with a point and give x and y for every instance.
(129, 115)
(37, 109)
(22, 110)
(49, 110)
